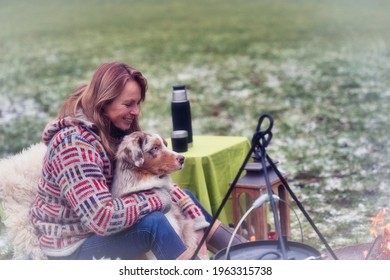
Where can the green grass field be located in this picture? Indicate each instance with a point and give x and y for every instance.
(321, 68)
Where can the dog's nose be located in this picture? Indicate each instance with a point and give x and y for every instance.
(180, 159)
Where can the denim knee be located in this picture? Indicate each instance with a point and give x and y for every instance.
(164, 242)
(155, 217)
(155, 223)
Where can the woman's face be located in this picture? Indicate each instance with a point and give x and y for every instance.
(125, 108)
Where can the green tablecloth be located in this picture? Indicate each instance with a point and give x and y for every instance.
(211, 165)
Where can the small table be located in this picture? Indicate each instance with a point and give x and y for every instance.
(210, 166)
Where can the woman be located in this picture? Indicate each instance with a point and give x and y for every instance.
(74, 212)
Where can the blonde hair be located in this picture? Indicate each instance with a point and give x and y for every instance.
(106, 84)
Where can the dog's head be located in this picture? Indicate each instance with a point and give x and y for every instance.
(148, 153)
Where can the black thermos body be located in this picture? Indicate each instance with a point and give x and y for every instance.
(181, 111)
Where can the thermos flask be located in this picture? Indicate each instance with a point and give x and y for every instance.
(181, 111)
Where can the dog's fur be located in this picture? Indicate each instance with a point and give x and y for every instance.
(19, 175)
(144, 162)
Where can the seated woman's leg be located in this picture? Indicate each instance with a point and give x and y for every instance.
(220, 234)
(152, 233)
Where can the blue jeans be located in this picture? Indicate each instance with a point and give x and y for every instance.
(151, 233)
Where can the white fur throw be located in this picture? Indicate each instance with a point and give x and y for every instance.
(19, 176)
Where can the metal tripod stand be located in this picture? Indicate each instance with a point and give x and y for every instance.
(260, 141)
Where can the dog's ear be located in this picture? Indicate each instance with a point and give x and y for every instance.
(164, 142)
(131, 149)
(137, 153)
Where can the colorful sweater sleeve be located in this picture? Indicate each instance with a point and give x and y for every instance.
(79, 169)
(188, 207)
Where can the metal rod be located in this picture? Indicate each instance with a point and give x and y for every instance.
(278, 228)
(372, 246)
(225, 199)
(285, 184)
(260, 141)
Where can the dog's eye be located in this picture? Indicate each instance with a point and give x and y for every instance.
(155, 148)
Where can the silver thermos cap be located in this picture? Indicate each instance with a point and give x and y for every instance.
(179, 93)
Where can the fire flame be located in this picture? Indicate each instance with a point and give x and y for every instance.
(377, 223)
(380, 230)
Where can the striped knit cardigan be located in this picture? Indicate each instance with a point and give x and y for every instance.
(74, 199)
